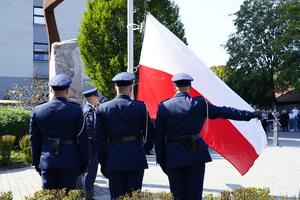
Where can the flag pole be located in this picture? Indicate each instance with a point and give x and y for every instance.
(130, 35)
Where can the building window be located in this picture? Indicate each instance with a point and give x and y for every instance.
(38, 15)
(40, 51)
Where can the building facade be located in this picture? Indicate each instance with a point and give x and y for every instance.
(23, 38)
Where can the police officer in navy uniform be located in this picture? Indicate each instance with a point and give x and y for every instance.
(122, 123)
(58, 138)
(89, 111)
(180, 150)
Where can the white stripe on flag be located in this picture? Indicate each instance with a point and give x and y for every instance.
(163, 51)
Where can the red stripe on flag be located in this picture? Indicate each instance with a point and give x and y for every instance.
(156, 86)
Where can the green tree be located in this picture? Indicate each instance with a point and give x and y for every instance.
(103, 36)
(253, 57)
(263, 49)
(289, 43)
(223, 72)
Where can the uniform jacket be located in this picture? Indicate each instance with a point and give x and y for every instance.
(117, 118)
(58, 118)
(90, 119)
(185, 115)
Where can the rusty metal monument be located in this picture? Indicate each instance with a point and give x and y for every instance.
(64, 57)
(52, 31)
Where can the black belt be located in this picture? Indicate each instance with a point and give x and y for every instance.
(179, 139)
(123, 139)
(61, 142)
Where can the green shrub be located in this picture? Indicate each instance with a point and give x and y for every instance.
(237, 194)
(146, 195)
(252, 193)
(6, 195)
(246, 194)
(6, 146)
(14, 121)
(24, 143)
(56, 195)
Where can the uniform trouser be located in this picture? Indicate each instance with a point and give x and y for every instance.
(186, 183)
(60, 178)
(148, 145)
(89, 177)
(122, 182)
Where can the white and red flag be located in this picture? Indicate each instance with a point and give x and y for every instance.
(162, 56)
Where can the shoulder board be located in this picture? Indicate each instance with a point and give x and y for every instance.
(199, 96)
(42, 103)
(164, 100)
(75, 103)
(139, 101)
(108, 100)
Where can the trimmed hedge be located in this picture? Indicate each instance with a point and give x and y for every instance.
(237, 194)
(147, 195)
(56, 195)
(14, 121)
(250, 193)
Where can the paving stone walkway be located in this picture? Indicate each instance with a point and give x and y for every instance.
(277, 168)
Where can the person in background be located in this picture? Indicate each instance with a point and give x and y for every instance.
(291, 120)
(284, 120)
(180, 150)
(88, 178)
(270, 120)
(58, 138)
(122, 124)
(295, 114)
(264, 120)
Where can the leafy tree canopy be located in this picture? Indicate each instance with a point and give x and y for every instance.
(258, 50)
(288, 75)
(103, 36)
(223, 72)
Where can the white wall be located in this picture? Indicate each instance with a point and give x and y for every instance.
(16, 38)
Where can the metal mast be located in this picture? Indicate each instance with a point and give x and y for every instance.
(130, 35)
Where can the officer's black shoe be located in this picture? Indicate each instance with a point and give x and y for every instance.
(88, 195)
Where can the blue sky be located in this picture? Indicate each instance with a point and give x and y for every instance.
(207, 26)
